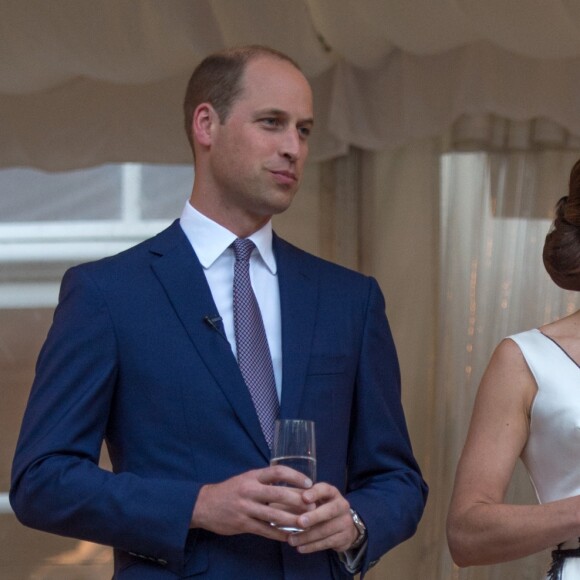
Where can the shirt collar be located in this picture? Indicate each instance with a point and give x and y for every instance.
(210, 240)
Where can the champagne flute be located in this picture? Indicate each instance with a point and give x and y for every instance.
(294, 445)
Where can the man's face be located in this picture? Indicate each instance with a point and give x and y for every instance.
(257, 155)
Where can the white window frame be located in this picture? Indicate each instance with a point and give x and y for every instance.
(25, 245)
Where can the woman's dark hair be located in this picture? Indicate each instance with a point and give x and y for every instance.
(562, 247)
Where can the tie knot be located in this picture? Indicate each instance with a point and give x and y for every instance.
(243, 249)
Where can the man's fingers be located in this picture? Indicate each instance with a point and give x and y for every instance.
(250, 502)
(335, 534)
(290, 496)
(283, 474)
(321, 493)
(336, 542)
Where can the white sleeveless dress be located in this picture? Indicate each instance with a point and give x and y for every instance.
(552, 453)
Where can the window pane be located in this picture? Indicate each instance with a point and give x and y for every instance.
(31, 195)
(164, 190)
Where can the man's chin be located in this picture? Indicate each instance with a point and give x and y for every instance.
(272, 201)
(282, 201)
(277, 210)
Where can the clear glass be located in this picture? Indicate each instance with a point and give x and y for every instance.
(294, 445)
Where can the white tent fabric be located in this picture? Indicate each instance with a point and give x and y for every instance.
(85, 82)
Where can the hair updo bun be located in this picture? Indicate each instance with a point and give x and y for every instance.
(562, 247)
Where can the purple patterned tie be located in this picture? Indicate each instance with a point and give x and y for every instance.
(253, 353)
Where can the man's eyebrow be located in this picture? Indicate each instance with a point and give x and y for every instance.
(273, 112)
(282, 113)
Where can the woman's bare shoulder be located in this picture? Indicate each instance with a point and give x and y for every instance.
(507, 353)
(508, 377)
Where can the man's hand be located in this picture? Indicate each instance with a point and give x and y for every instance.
(249, 502)
(329, 526)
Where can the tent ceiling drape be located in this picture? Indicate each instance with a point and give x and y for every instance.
(84, 82)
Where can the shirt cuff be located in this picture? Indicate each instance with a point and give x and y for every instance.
(352, 559)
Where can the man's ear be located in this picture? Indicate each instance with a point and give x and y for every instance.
(204, 117)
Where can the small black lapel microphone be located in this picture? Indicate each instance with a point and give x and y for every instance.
(213, 321)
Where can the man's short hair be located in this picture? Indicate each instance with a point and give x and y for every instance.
(217, 80)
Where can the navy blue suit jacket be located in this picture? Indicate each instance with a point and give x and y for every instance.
(129, 359)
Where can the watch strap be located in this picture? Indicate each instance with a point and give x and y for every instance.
(361, 529)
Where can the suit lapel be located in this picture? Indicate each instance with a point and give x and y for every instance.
(298, 299)
(185, 284)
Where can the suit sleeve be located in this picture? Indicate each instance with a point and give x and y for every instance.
(385, 485)
(57, 485)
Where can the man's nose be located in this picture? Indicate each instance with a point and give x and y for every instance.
(291, 145)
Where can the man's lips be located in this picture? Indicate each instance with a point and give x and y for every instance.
(284, 177)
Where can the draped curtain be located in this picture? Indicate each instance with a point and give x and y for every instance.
(492, 284)
(86, 82)
(455, 240)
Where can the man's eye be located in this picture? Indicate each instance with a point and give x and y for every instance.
(304, 132)
(271, 121)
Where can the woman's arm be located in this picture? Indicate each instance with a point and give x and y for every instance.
(481, 529)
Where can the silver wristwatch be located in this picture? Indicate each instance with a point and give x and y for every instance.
(361, 529)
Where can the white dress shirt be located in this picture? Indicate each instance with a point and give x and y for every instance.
(212, 244)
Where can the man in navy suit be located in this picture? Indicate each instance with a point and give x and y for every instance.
(142, 355)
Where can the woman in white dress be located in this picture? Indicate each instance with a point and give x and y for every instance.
(528, 406)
